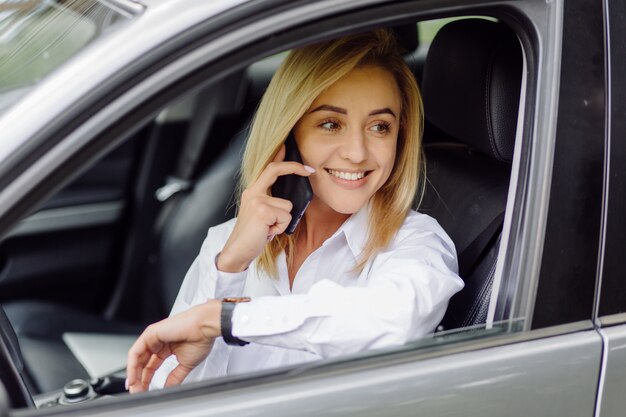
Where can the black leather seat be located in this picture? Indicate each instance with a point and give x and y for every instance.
(471, 90)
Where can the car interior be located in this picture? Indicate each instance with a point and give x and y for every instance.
(79, 282)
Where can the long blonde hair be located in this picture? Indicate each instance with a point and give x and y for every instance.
(300, 79)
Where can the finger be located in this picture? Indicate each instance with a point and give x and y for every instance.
(281, 222)
(140, 353)
(177, 376)
(280, 155)
(279, 203)
(276, 169)
(138, 356)
(155, 362)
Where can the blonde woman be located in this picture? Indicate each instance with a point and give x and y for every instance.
(361, 271)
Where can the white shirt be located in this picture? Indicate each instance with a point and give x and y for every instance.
(400, 295)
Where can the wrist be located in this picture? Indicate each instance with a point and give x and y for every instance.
(228, 307)
(227, 263)
(210, 321)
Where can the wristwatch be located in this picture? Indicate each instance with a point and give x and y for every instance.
(228, 305)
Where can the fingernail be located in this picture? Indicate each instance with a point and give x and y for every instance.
(310, 169)
(126, 384)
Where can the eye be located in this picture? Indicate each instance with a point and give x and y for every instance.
(330, 125)
(381, 127)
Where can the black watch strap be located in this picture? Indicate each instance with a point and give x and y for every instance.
(226, 321)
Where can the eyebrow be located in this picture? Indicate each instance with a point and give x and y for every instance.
(340, 110)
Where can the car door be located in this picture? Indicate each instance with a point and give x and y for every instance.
(540, 353)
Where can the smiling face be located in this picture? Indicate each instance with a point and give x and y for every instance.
(349, 135)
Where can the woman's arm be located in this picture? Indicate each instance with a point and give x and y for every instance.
(405, 297)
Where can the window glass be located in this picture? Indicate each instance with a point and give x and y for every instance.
(38, 36)
(427, 29)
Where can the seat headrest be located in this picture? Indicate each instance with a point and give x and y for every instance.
(471, 85)
(406, 35)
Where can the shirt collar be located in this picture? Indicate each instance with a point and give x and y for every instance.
(356, 230)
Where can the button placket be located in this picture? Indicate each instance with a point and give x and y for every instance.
(304, 278)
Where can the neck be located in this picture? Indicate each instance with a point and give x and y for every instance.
(320, 222)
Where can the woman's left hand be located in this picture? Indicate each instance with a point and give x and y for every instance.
(188, 335)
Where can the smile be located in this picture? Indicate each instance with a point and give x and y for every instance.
(350, 176)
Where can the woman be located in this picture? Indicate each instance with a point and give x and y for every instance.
(362, 269)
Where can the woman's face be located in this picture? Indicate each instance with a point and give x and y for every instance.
(349, 135)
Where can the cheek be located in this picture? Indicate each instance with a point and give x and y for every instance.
(385, 154)
(313, 151)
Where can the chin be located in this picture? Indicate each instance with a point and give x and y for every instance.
(346, 207)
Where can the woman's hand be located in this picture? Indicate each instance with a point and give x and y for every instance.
(260, 217)
(188, 335)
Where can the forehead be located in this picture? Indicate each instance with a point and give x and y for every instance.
(368, 86)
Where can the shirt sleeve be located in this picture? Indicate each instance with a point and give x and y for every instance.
(404, 298)
(203, 280)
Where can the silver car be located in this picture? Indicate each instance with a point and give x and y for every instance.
(121, 129)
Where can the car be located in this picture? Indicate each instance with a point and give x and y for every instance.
(122, 124)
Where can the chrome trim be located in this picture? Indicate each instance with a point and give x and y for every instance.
(611, 319)
(73, 217)
(126, 8)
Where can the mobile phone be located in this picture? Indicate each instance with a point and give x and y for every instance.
(292, 187)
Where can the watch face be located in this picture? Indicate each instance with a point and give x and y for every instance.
(236, 299)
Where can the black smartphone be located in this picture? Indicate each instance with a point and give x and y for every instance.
(294, 188)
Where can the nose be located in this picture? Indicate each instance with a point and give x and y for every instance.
(354, 147)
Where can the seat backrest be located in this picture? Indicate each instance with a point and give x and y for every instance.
(471, 89)
(211, 202)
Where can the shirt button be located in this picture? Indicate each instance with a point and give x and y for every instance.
(245, 318)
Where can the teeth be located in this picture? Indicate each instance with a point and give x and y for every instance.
(350, 176)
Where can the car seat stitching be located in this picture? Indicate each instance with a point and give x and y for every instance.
(488, 105)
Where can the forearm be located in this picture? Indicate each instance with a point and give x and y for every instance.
(333, 320)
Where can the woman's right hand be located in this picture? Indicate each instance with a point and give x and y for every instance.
(261, 216)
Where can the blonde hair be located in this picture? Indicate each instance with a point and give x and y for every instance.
(301, 78)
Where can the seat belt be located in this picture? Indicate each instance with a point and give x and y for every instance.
(470, 256)
(190, 154)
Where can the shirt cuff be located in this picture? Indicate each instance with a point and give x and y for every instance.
(228, 284)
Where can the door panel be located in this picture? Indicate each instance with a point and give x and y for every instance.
(555, 376)
(68, 251)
